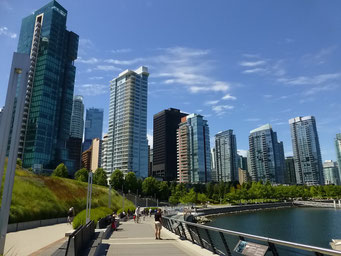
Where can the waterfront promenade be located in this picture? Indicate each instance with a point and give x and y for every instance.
(139, 239)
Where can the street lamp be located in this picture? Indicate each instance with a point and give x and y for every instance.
(109, 195)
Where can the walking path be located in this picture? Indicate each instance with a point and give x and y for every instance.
(35, 241)
(139, 239)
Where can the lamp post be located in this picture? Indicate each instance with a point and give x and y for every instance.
(109, 195)
(88, 199)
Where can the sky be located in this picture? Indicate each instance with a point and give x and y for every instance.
(240, 64)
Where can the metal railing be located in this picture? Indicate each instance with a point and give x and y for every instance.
(223, 242)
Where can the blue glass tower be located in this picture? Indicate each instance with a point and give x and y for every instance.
(48, 105)
(93, 126)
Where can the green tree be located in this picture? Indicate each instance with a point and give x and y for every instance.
(60, 171)
(173, 200)
(19, 162)
(164, 191)
(150, 186)
(100, 177)
(190, 197)
(130, 182)
(117, 179)
(82, 175)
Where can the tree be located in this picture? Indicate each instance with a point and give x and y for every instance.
(82, 175)
(163, 191)
(19, 162)
(60, 171)
(130, 182)
(100, 177)
(149, 186)
(117, 179)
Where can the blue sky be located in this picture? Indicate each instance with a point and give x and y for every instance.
(239, 63)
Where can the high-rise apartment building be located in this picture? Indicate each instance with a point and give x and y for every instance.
(331, 173)
(76, 133)
(105, 154)
(127, 133)
(226, 156)
(266, 155)
(289, 172)
(48, 105)
(214, 175)
(242, 162)
(165, 124)
(194, 157)
(93, 126)
(338, 151)
(307, 153)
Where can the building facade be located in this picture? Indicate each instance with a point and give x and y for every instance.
(307, 153)
(127, 133)
(331, 173)
(92, 157)
(76, 133)
(289, 173)
(48, 106)
(226, 156)
(266, 155)
(338, 151)
(214, 175)
(105, 153)
(165, 125)
(93, 126)
(194, 157)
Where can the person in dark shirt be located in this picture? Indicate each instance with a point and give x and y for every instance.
(158, 225)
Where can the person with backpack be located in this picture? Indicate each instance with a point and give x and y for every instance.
(70, 215)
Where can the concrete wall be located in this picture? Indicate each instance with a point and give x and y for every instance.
(34, 224)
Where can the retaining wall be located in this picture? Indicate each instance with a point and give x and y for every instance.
(34, 224)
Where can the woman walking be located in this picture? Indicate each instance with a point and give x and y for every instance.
(158, 225)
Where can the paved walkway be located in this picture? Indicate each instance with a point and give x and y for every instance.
(139, 239)
(35, 241)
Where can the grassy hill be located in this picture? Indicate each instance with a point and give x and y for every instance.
(39, 197)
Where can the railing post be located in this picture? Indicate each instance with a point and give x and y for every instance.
(190, 232)
(210, 240)
(273, 249)
(227, 249)
(183, 230)
(200, 240)
(241, 238)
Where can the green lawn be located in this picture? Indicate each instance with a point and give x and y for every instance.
(38, 197)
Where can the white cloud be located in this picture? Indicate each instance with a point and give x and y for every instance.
(254, 70)
(107, 68)
(211, 102)
(86, 43)
(88, 61)
(252, 63)
(267, 96)
(124, 50)
(242, 152)
(5, 32)
(313, 80)
(96, 78)
(150, 139)
(221, 109)
(252, 119)
(321, 89)
(228, 97)
(124, 62)
(92, 89)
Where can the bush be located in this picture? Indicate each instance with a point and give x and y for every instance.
(95, 215)
(60, 171)
(82, 175)
(130, 208)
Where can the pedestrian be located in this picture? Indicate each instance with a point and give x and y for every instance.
(158, 225)
(150, 212)
(70, 215)
(113, 222)
(137, 213)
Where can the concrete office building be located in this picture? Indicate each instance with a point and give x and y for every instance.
(127, 133)
(48, 105)
(194, 158)
(307, 153)
(338, 151)
(226, 156)
(266, 155)
(93, 126)
(91, 158)
(331, 173)
(165, 124)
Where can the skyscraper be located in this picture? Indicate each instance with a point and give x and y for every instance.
(48, 106)
(226, 156)
(76, 133)
(165, 125)
(1, 112)
(194, 157)
(289, 172)
(331, 173)
(306, 148)
(266, 155)
(93, 126)
(338, 151)
(214, 175)
(127, 135)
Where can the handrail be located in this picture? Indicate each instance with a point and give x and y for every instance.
(268, 240)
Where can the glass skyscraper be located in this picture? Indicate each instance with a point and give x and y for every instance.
(331, 173)
(93, 126)
(48, 105)
(194, 156)
(266, 155)
(226, 156)
(338, 151)
(127, 134)
(307, 153)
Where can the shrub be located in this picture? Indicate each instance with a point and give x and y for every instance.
(95, 215)
(60, 171)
